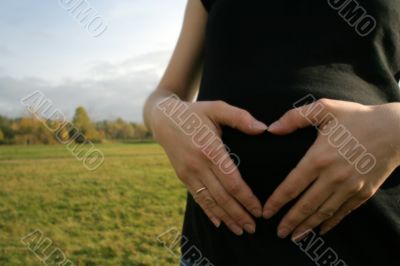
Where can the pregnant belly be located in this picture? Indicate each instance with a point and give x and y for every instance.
(266, 159)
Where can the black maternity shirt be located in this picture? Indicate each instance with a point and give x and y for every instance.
(265, 55)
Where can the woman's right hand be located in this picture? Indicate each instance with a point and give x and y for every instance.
(184, 130)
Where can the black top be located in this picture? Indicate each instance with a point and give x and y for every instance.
(265, 55)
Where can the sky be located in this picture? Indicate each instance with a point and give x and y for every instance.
(43, 46)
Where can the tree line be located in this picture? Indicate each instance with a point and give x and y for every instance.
(30, 130)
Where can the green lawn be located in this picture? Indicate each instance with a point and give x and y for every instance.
(111, 216)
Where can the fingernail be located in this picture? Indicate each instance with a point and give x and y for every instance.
(274, 125)
(268, 214)
(283, 232)
(251, 229)
(237, 230)
(216, 222)
(257, 212)
(325, 230)
(259, 125)
(298, 237)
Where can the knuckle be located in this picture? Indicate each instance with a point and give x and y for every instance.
(353, 188)
(347, 212)
(289, 193)
(291, 113)
(325, 214)
(299, 169)
(209, 203)
(339, 178)
(243, 116)
(322, 161)
(306, 208)
(182, 172)
(222, 199)
(223, 216)
(241, 218)
(220, 104)
(324, 102)
(234, 187)
(366, 194)
(191, 162)
(197, 199)
(292, 116)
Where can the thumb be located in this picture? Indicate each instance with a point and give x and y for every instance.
(314, 114)
(225, 114)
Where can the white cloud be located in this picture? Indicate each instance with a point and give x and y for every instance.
(45, 49)
(5, 51)
(114, 90)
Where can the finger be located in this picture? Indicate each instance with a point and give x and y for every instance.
(228, 174)
(308, 205)
(228, 203)
(329, 208)
(209, 209)
(314, 114)
(352, 204)
(214, 212)
(295, 183)
(234, 184)
(228, 115)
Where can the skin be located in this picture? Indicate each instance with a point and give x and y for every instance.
(330, 186)
(227, 199)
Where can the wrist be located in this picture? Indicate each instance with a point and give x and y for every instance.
(150, 109)
(158, 111)
(153, 117)
(391, 112)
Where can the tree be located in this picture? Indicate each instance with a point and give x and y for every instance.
(82, 124)
(62, 132)
(25, 130)
(141, 132)
(5, 127)
(119, 129)
(1, 136)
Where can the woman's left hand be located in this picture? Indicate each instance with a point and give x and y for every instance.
(357, 148)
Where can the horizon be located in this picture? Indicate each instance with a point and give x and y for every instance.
(48, 49)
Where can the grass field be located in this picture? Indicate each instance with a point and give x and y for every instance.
(111, 216)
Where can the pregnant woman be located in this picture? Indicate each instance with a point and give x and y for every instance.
(282, 119)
